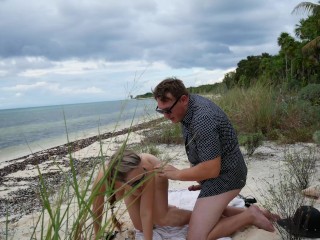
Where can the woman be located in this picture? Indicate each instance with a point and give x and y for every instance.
(131, 177)
(138, 184)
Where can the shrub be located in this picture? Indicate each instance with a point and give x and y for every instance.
(301, 166)
(283, 195)
(284, 198)
(150, 148)
(250, 110)
(311, 93)
(166, 133)
(297, 119)
(278, 115)
(251, 141)
(316, 137)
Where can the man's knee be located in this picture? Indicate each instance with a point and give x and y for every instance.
(195, 235)
(198, 230)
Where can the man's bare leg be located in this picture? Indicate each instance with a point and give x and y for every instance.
(231, 211)
(207, 213)
(229, 225)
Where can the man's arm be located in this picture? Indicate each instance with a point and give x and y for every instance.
(202, 171)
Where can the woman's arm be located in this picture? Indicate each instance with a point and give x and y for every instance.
(99, 191)
(98, 202)
(146, 208)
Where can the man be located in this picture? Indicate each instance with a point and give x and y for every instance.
(216, 161)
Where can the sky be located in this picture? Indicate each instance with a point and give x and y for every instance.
(61, 52)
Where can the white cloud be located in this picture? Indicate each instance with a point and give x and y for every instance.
(25, 87)
(79, 67)
(76, 91)
(3, 73)
(54, 88)
(70, 67)
(96, 49)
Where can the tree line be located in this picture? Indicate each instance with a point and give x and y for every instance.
(297, 62)
(296, 65)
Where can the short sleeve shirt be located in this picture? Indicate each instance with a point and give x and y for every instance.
(208, 133)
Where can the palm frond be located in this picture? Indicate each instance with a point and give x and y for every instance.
(306, 7)
(312, 45)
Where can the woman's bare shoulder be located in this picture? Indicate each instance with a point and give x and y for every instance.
(150, 158)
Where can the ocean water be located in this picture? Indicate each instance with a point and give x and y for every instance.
(27, 130)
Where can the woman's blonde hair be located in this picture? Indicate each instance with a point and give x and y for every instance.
(121, 163)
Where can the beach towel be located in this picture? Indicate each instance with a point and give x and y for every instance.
(182, 199)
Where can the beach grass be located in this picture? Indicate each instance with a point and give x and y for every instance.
(278, 115)
(302, 166)
(66, 208)
(283, 194)
(67, 212)
(165, 133)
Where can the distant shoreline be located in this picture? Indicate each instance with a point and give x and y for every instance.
(19, 178)
(72, 146)
(26, 131)
(19, 193)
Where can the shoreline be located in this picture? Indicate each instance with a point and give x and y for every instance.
(29, 130)
(19, 177)
(28, 148)
(19, 189)
(62, 150)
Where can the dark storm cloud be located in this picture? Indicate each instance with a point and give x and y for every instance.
(179, 33)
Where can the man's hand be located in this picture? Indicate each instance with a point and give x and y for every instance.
(168, 171)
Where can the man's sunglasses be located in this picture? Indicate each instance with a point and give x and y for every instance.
(137, 182)
(167, 110)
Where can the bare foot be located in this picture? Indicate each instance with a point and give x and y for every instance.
(260, 220)
(271, 216)
(194, 188)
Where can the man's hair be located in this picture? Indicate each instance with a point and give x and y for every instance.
(169, 85)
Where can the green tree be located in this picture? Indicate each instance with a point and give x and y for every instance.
(272, 69)
(248, 71)
(308, 7)
(288, 46)
(308, 30)
(229, 79)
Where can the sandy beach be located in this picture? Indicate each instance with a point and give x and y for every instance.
(19, 178)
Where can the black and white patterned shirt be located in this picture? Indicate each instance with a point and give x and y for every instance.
(208, 133)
